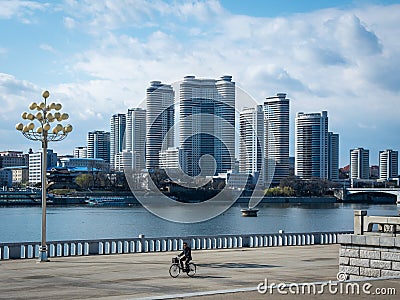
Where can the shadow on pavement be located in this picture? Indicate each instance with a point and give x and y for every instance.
(237, 265)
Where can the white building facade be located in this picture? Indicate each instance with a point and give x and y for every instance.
(80, 152)
(251, 146)
(136, 137)
(276, 140)
(388, 164)
(160, 118)
(311, 145)
(35, 165)
(98, 145)
(359, 163)
(170, 158)
(117, 136)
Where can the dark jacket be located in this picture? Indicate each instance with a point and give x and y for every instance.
(187, 252)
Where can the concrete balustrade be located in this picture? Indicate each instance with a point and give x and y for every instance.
(26, 250)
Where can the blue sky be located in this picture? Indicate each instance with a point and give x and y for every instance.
(98, 57)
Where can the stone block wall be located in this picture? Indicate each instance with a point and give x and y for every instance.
(363, 256)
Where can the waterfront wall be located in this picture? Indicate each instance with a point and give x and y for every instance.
(369, 256)
(369, 253)
(27, 250)
(306, 200)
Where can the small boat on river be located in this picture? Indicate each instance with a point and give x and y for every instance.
(107, 201)
(249, 212)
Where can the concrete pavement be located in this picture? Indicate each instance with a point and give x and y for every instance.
(224, 274)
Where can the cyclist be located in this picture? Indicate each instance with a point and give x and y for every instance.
(185, 256)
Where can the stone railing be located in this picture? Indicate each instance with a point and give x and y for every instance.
(370, 251)
(364, 224)
(149, 244)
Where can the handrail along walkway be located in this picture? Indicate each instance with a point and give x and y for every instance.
(26, 250)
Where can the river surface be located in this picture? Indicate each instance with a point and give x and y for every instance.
(18, 224)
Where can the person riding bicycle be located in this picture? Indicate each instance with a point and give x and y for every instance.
(185, 256)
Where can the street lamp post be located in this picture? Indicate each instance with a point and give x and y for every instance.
(44, 133)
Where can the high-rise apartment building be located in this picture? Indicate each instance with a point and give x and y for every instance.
(359, 163)
(117, 136)
(251, 145)
(311, 145)
(207, 124)
(276, 132)
(80, 152)
(333, 156)
(98, 145)
(35, 165)
(136, 137)
(388, 164)
(159, 121)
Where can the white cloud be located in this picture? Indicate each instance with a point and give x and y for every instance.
(69, 23)
(345, 61)
(47, 47)
(19, 9)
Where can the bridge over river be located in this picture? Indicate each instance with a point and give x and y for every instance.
(368, 194)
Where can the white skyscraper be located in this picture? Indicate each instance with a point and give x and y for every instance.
(136, 136)
(159, 120)
(276, 132)
(333, 156)
(359, 163)
(388, 164)
(311, 145)
(98, 145)
(251, 146)
(207, 124)
(117, 141)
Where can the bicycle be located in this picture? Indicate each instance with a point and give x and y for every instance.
(175, 269)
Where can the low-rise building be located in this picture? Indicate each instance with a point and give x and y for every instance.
(85, 164)
(5, 178)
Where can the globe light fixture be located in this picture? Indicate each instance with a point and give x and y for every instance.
(44, 133)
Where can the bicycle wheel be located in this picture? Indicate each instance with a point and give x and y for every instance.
(174, 270)
(191, 270)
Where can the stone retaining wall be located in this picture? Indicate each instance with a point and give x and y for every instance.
(363, 256)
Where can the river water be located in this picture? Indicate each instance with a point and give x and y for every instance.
(18, 224)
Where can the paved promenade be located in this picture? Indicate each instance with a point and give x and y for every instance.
(224, 274)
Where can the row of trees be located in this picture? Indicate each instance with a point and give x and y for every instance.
(295, 186)
(102, 181)
(289, 187)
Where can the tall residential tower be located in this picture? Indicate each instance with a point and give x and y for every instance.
(359, 163)
(311, 145)
(207, 119)
(117, 142)
(333, 156)
(251, 146)
(159, 121)
(98, 145)
(136, 137)
(388, 164)
(276, 132)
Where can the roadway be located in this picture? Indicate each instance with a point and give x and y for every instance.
(221, 274)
